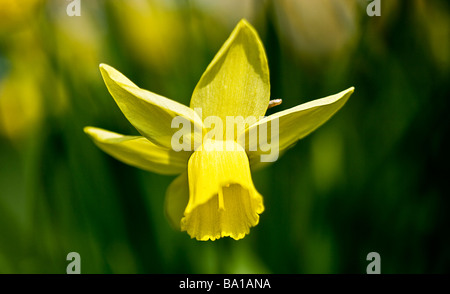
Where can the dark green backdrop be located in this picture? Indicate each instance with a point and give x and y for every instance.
(373, 178)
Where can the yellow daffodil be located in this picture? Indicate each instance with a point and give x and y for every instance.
(214, 195)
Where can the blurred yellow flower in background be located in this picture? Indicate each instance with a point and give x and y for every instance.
(21, 102)
(14, 13)
(317, 29)
(152, 31)
(21, 106)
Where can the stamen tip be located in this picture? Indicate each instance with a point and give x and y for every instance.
(274, 102)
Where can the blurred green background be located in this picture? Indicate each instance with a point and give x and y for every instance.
(373, 178)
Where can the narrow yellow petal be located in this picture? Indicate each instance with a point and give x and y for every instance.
(236, 82)
(139, 152)
(293, 124)
(149, 113)
(177, 196)
(222, 198)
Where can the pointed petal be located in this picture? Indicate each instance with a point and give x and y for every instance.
(177, 196)
(236, 82)
(293, 124)
(139, 152)
(149, 113)
(222, 198)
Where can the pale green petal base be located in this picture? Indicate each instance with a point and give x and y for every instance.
(177, 197)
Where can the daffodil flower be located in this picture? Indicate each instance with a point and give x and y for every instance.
(213, 195)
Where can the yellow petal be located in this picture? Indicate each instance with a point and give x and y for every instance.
(139, 152)
(236, 82)
(149, 113)
(293, 124)
(222, 198)
(177, 196)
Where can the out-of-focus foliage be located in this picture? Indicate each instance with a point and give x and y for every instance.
(374, 178)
